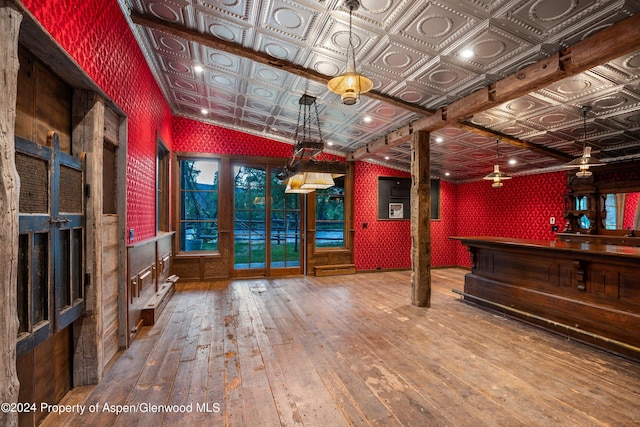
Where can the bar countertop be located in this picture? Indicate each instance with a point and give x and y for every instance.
(552, 245)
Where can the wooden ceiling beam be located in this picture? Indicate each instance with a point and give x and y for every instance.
(259, 57)
(613, 42)
(398, 137)
(540, 149)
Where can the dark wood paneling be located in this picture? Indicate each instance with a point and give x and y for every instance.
(43, 103)
(148, 266)
(45, 375)
(588, 287)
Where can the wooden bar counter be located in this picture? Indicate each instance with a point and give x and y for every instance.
(588, 291)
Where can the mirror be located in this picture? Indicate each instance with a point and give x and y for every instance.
(582, 204)
(622, 211)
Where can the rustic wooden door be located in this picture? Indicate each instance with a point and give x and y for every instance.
(51, 263)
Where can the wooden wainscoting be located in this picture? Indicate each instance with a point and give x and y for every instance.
(149, 284)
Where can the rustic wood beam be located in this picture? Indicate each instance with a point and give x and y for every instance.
(399, 136)
(260, 57)
(529, 79)
(88, 139)
(540, 149)
(420, 221)
(479, 100)
(619, 39)
(10, 20)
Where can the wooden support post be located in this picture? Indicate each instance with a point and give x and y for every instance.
(88, 138)
(420, 221)
(10, 20)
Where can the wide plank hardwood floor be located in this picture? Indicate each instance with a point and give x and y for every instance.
(352, 350)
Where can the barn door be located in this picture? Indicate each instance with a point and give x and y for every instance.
(51, 244)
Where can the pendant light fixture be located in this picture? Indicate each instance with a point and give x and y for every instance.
(586, 160)
(308, 169)
(497, 176)
(351, 84)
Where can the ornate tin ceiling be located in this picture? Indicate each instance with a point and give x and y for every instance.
(412, 50)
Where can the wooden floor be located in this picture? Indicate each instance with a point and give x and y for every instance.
(351, 350)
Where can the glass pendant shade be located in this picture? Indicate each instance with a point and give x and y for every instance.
(497, 176)
(294, 184)
(317, 180)
(350, 84)
(584, 162)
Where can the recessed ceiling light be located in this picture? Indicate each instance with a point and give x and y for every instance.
(198, 69)
(512, 161)
(466, 53)
(447, 174)
(386, 157)
(367, 119)
(439, 139)
(204, 111)
(329, 143)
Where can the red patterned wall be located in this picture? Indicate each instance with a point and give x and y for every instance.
(522, 209)
(197, 137)
(97, 36)
(384, 243)
(387, 243)
(443, 250)
(631, 204)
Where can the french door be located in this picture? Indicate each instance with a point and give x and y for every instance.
(268, 224)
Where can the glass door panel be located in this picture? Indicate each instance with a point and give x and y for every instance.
(249, 220)
(285, 226)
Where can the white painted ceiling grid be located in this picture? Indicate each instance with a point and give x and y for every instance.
(411, 51)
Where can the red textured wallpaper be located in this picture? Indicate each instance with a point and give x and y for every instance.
(387, 243)
(631, 204)
(384, 244)
(522, 209)
(97, 36)
(197, 137)
(443, 250)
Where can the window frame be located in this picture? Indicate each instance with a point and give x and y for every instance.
(180, 209)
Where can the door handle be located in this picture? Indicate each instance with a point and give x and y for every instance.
(59, 221)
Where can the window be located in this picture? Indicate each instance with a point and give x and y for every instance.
(199, 184)
(330, 216)
(162, 188)
(610, 209)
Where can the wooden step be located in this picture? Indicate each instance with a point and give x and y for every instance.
(334, 269)
(154, 307)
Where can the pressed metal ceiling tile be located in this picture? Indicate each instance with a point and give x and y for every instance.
(412, 52)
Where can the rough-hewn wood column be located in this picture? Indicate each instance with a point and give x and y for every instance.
(420, 221)
(10, 20)
(88, 138)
